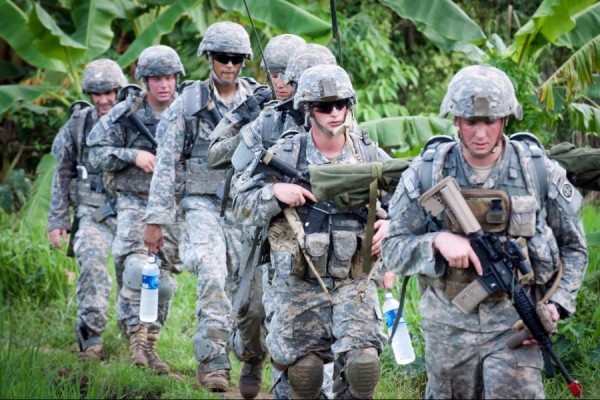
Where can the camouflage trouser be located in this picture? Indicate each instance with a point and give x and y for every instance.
(210, 248)
(128, 241)
(91, 246)
(305, 321)
(467, 365)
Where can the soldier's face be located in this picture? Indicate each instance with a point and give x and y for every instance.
(329, 115)
(227, 67)
(161, 89)
(480, 135)
(282, 91)
(103, 101)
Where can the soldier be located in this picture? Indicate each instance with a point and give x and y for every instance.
(211, 244)
(123, 144)
(76, 183)
(277, 117)
(306, 328)
(247, 337)
(466, 354)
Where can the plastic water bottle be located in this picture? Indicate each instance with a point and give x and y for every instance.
(401, 344)
(150, 282)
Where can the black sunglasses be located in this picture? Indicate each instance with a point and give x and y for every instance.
(224, 58)
(326, 107)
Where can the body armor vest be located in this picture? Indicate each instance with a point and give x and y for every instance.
(201, 115)
(86, 187)
(132, 179)
(333, 239)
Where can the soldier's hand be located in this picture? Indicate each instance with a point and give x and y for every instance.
(57, 236)
(388, 280)
(457, 251)
(145, 160)
(381, 228)
(153, 238)
(291, 194)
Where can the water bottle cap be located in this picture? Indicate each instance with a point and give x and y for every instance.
(389, 295)
(151, 258)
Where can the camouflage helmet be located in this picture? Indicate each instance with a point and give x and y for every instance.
(158, 60)
(225, 37)
(323, 83)
(278, 51)
(308, 56)
(481, 91)
(101, 76)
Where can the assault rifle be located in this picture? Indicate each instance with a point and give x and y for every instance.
(499, 260)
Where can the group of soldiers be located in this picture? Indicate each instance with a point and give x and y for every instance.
(182, 170)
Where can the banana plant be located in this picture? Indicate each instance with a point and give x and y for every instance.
(573, 24)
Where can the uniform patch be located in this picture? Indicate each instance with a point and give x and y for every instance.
(567, 190)
(397, 193)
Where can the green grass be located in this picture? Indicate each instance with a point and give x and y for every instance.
(38, 356)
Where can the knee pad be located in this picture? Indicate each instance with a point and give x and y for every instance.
(362, 371)
(132, 274)
(306, 377)
(206, 344)
(166, 289)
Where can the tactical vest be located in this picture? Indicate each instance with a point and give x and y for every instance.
(201, 115)
(332, 239)
(132, 179)
(522, 187)
(275, 122)
(86, 187)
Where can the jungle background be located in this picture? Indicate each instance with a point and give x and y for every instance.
(400, 55)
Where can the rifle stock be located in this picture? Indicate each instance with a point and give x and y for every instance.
(499, 259)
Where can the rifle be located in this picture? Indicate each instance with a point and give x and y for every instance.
(499, 259)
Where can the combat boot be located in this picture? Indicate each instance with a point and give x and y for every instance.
(251, 377)
(215, 381)
(91, 345)
(138, 344)
(93, 352)
(154, 361)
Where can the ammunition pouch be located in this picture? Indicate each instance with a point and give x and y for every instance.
(335, 255)
(129, 180)
(457, 279)
(89, 192)
(108, 209)
(200, 179)
(491, 208)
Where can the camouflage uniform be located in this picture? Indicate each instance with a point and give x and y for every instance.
(115, 142)
(84, 191)
(211, 244)
(307, 327)
(467, 355)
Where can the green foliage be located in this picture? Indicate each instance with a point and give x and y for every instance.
(30, 269)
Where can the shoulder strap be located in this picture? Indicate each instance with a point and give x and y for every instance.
(428, 154)
(536, 150)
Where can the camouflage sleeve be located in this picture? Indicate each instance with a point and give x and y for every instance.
(254, 201)
(64, 150)
(107, 143)
(408, 247)
(162, 207)
(224, 140)
(562, 208)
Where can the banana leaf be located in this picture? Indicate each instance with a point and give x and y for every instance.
(348, 185)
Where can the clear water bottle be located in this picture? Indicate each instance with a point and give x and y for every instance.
(150, 282)
(401, 344)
